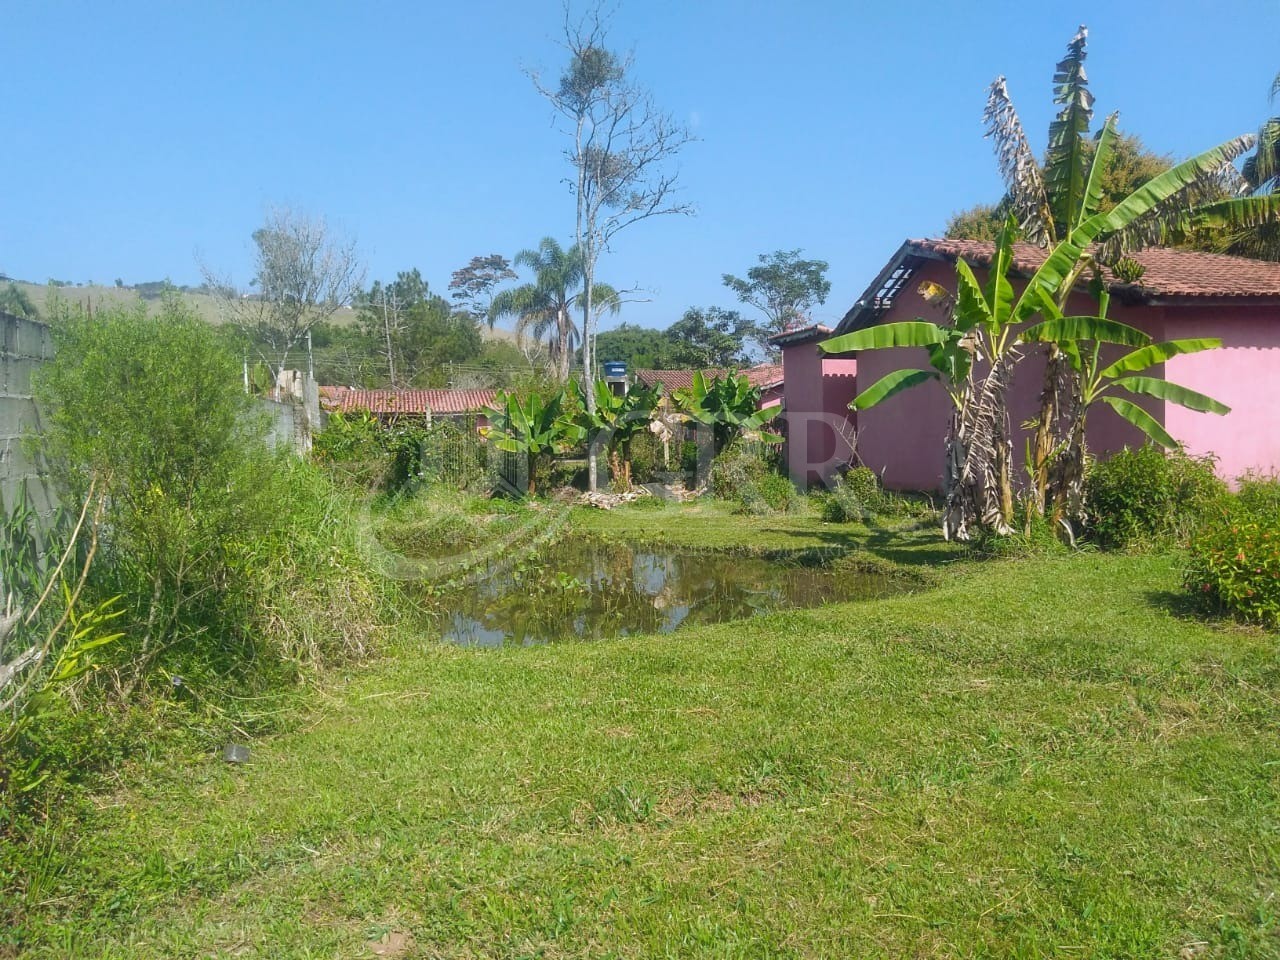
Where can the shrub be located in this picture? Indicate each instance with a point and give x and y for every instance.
(856, 496)
(1259, 493)
(1143, 496)
(742, 476)
(234, 564)
(351, 447)
(1235, 559)
(553, 473)
(773, 493)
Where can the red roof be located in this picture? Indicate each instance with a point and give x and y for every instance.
(420, 402)
(1168, 272)
(763, 375)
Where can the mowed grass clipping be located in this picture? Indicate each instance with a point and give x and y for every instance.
(1037, 758)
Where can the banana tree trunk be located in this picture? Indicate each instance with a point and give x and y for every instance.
(1045, 442)
(958, 505)
(1067, 486)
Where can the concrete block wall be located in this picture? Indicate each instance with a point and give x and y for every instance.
(24, 346)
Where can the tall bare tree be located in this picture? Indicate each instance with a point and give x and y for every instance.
(303, 274)
(621, 148)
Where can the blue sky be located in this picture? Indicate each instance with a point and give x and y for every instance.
(144, 136)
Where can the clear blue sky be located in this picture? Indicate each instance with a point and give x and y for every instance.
(145, 135)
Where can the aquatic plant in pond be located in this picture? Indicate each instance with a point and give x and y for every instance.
(591, 590)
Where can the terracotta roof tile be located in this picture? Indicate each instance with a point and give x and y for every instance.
(1168, 272)
(419, 402)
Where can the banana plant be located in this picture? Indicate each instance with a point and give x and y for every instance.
(1059, 203)
(977, 481)
(530, 426)
(1080, 341)
(617, 418)
(729, 405)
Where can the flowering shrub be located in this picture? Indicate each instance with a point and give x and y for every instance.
(1235, 563)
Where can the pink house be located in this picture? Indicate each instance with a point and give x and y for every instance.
(816, 391)
(1181, 294)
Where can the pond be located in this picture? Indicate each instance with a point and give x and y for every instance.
(591, 590)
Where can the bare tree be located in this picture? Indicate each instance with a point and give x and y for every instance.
(303, 274)
(620, 151)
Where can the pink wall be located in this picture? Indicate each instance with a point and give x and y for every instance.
(816, 395)
(1244, 374)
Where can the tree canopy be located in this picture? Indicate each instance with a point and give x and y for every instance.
(702, 338)
(782, 286)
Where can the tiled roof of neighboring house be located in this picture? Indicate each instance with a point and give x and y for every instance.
(794, 335)
(438, 402)
(763, 375)
(1167, 274)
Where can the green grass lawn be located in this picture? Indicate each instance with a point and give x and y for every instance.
(1034, 758)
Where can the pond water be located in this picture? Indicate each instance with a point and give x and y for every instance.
(594, 590)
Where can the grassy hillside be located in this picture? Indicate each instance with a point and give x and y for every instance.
(205, 305)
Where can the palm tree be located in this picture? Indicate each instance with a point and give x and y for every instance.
(1241, 234)
(544, 308)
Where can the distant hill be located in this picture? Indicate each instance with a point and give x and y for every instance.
(204, 305)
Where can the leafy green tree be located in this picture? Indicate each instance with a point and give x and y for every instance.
(545, 307)
(436, 338)
(702, 338)
(982, 221)
(638, 347)
(418, 332)
(713, 337)
(783, 287)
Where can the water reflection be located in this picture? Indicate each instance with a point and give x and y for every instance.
(592, 590)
